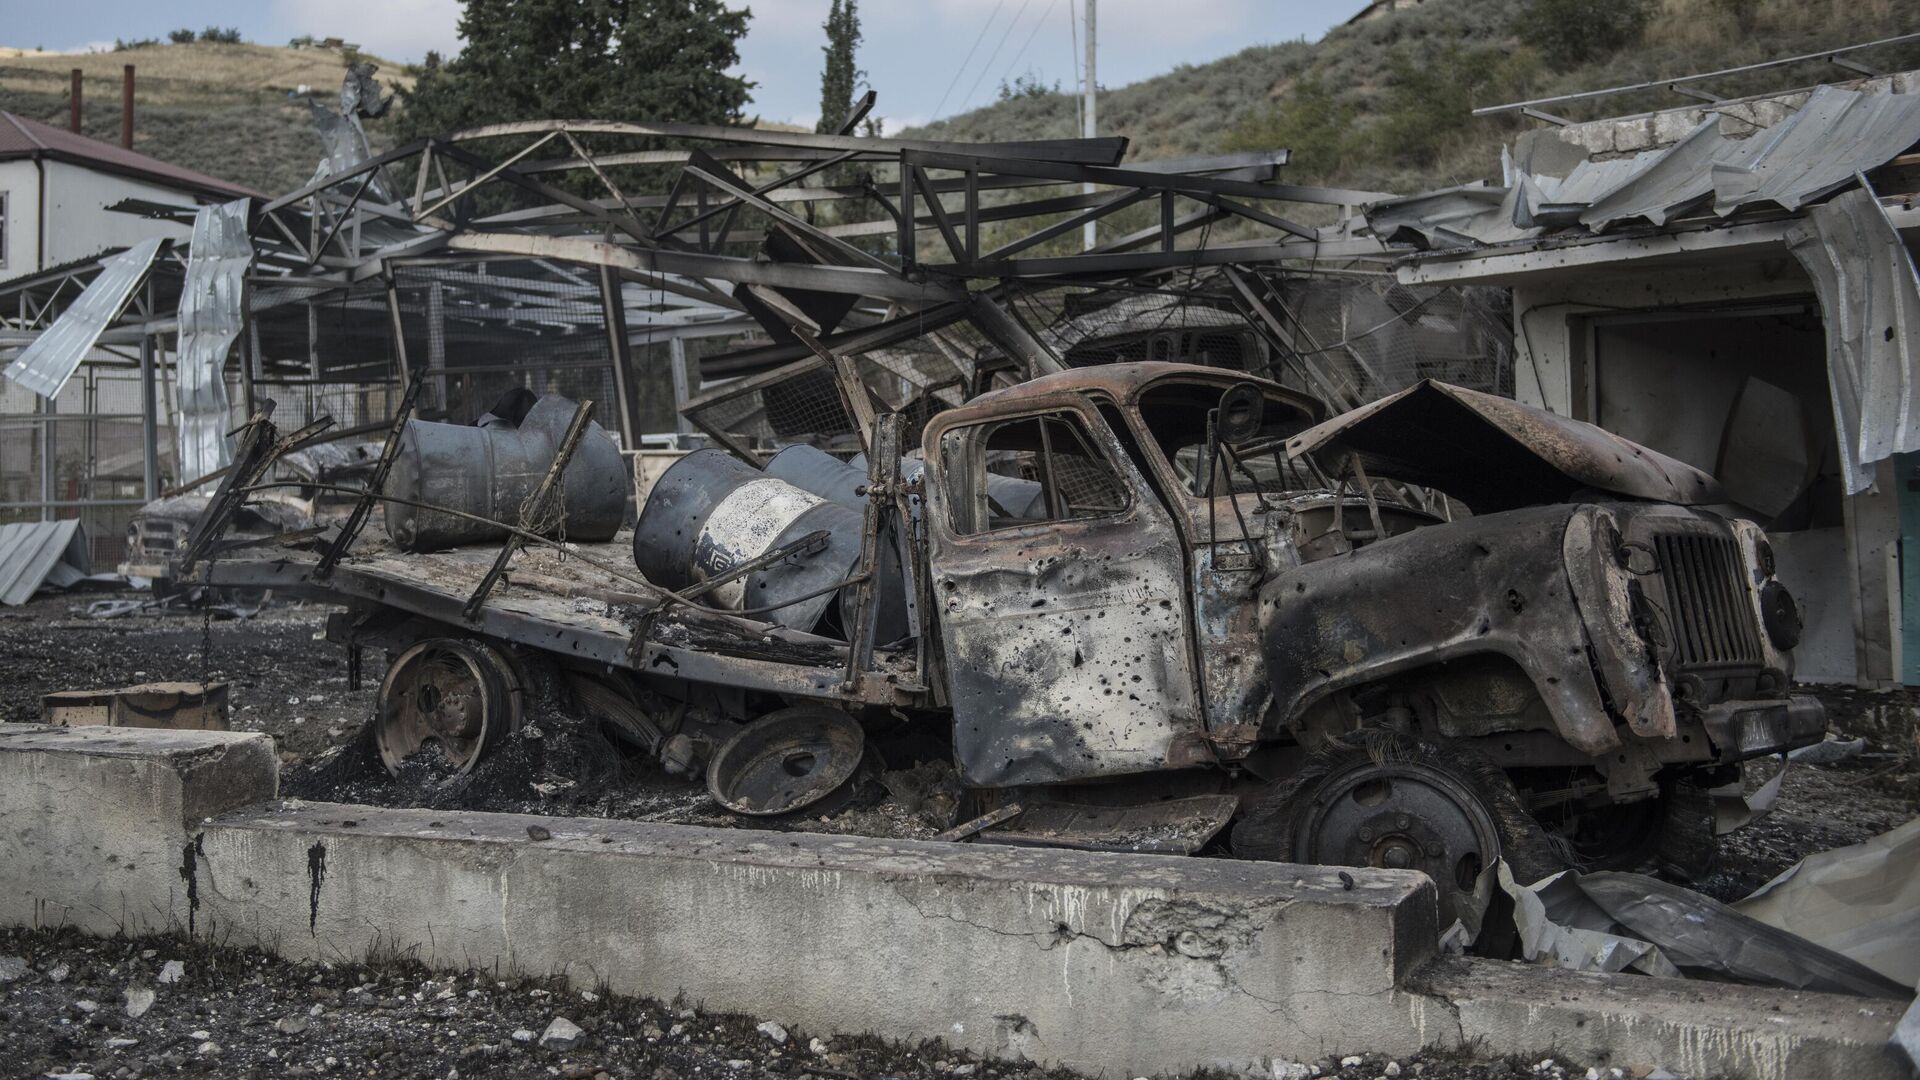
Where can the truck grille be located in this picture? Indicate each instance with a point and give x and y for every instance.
(1712, 619)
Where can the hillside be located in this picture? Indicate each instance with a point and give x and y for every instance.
(227, 110)
(1385, 104)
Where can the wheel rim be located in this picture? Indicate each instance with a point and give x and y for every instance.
(1402, 816)
(461, 696)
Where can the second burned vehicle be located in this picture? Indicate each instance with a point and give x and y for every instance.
(1434, 631)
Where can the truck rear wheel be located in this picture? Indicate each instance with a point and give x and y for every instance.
(461, 695)
(1396, 801)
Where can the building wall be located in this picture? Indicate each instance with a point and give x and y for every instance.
(1846, 576)
(78, 224)
(20, 181)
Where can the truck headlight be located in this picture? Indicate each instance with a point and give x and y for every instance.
(1780, 614)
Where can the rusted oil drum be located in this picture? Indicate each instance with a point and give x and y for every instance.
(490, 471)
(711, 512)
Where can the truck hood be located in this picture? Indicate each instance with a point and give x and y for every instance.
(1495, 454)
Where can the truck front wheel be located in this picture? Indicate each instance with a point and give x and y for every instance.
(1397, 801)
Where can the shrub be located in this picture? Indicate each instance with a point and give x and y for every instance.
(181, 36)
(218, 36)
(1026, 85)
(1309, 121)
(1574, 31)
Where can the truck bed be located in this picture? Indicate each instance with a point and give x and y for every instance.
(562, 604)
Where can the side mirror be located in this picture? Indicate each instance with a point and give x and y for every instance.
(1242, 409)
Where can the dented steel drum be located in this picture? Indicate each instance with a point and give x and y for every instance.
(490, 471)
(711, 512)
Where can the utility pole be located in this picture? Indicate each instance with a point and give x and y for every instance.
(1089, 126)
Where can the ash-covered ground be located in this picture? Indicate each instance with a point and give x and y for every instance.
(288, 683)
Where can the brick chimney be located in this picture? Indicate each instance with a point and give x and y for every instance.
(126, 107)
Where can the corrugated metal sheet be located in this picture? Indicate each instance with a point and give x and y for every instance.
(1451, 217)
(1817, 150)
(1870, 299)
(32, 551)
(1805, 157)
(45, 365)
(211, 318)
(1667, 182)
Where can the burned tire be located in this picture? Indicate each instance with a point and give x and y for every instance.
(1671, 835)
(463, 696)
(1385, 799)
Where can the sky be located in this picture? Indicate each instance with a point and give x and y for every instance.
(926, 58)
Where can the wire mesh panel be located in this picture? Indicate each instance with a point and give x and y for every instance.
(331, 333)
(1379, 337)
(495, 326)
(798, 403)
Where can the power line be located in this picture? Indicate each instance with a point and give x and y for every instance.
(1031, 34)
(978, 38)
(995, 55)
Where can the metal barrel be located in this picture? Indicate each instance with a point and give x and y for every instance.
(812, 469)
(710, 512)
(491, 471)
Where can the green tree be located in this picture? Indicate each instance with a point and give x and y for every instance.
(840, 75)
(1309, 121)
(1575, 31)
(580, 59)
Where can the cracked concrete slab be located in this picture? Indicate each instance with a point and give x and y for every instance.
(1689, 1027)
(1133, 963)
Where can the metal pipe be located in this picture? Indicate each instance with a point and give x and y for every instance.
(48, 407)
(1828, 55)
(126, 107)
(614, 306)
(73, 105)
(1091, 124)
(150, 422)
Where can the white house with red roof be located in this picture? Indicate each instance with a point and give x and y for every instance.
(56, 186)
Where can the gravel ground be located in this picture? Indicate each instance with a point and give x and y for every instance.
(65, 1010)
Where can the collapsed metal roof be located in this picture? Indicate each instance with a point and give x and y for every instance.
(33, 553)
(46, 364)
(1724, 165)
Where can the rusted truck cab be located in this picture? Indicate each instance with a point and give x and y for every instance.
(1209, 573)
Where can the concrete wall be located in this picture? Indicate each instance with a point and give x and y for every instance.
(1112, 964)
(1102, 963)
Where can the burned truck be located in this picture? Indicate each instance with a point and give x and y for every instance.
(1155, 600)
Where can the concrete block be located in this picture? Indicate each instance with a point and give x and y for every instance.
(1122, 964)
(1686, 1027)
(95, 821)
(199, 706)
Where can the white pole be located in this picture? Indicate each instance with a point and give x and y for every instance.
(1089, 125)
